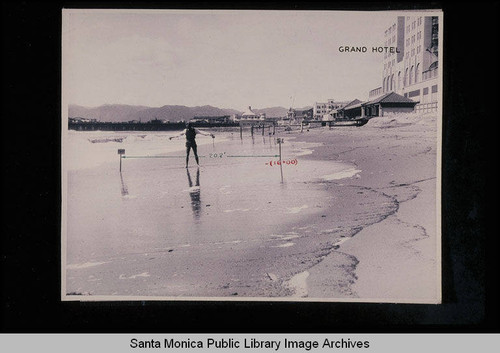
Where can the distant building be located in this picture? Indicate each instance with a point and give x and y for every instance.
(321, 109)
(351, 110)
(333, 104)
(249, 114)
(348, 110)
(389, 103)
(334, 107)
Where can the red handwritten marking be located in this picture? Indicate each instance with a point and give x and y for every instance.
(283, 162)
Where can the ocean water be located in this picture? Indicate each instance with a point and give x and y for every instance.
(88, 149)
(232, 225)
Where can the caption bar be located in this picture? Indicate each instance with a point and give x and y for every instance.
(248, 343)
(372, 343)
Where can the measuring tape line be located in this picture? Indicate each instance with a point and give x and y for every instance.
(276, 155)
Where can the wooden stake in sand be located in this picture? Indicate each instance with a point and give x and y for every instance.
(121, 152)
(280, 141)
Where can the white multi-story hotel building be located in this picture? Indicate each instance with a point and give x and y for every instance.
(412, 71)
(320, 109)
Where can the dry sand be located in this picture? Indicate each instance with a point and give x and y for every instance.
(397, 258)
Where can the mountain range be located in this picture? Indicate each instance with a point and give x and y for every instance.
(123, 112)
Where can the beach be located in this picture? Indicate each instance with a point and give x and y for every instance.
(398, 258)
(355, 217)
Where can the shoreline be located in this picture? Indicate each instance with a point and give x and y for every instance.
(319, 249)
(396, 258)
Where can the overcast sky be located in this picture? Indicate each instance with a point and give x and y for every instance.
(228, 59)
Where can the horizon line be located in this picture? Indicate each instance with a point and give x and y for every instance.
(187, 106)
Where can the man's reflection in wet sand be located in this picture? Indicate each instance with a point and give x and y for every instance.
(195, 193)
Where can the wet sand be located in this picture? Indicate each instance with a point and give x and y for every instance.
(231, 229)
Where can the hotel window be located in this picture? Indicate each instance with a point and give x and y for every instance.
(408, 42)
(414, 93)
(418, 49)
(434, 90)
(412, 39)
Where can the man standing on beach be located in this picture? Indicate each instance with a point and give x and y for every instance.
(190, 133)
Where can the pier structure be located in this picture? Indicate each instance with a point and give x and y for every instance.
(138, 126)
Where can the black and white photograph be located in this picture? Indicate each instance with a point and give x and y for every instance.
(251, 155)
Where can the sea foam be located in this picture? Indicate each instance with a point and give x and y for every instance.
(89, 149)
(342, 174)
